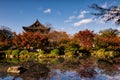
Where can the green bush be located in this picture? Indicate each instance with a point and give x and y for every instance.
(71, 51)
(103, 54)
(24, 53)
(41, 52)
(33, 55)
(55, 51)
(15, 52)
(111, 54)
(13, 60)
(72, 48)
(8, 52)
(69, 54)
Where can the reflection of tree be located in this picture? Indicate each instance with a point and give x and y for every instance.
(87, 68)
(83, 67)
(35, 71)
(2, 73)
(108, 68)
(68, 64)
(67, 75)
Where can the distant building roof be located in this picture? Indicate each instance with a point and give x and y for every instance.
(37, 26)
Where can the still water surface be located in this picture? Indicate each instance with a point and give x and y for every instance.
(62, 69)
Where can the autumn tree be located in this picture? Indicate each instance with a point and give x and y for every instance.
(108, 14)
(108, 39)
(17, 40)
(5, 37)
(109, 32)
(6, 32)
(29, 39)
(86, 38)
(57, 37)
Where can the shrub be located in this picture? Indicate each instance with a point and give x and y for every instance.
(69, 54)
(103, 54)
(41, 52)
(15, 52)
(13, 60)
(55, 52)
(23, 53)
(111, 54)
(8, 52)
(72, 49)
(32, 55)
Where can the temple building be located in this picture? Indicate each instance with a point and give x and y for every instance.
(37, 26)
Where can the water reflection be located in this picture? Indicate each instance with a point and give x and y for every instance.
(61, 69)
(73, 75)
(67, 75)
(108, 68)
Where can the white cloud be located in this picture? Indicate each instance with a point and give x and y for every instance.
(67, 21)
(82, 14)
(84, 21)
(71, 17)
(99, 21)
(47, 10)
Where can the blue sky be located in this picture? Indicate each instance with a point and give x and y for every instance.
(65, 15)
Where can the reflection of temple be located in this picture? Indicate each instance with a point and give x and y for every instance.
(37, 26)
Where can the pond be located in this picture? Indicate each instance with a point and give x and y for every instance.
(60, 69)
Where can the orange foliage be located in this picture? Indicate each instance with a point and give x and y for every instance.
(86, 38)
(56, 38)
(29, 39)
(110, 43)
